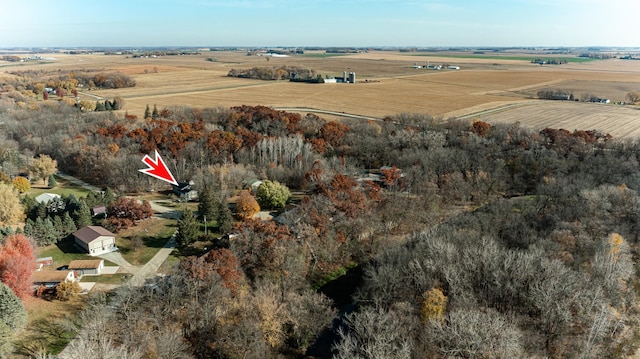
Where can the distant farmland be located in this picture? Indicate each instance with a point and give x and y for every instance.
(512, 57)
(387, 84)
(618, 121)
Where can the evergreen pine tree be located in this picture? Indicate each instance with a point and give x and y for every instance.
(29, 228)
(100, 106)
(13, 316)
(68, 224)
(52, 181)
(30, 206)
(107, 105)
(147, 112)
(58, 226)
(82, 217)
(225, 217)
(188, 228)
(48, 232)
(92, 199)
(41, 212)
(208, 206)
(72, 203)
(109, 197)
(38, 231)
(154, 114)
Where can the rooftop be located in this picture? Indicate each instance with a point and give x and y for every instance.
(89, 233)
(49, 276)
(85, 264)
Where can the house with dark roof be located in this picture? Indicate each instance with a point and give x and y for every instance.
(100, 210)
(185, 191)
(95, 240)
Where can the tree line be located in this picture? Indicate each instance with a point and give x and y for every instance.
(474, 239)
(274, 73)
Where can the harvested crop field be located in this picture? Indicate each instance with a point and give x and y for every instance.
(387, 84)
(618, 121)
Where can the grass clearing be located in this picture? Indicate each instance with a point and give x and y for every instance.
(140, 243)
(118, 278)
(63, 188)
(64, 252)
(47, 328)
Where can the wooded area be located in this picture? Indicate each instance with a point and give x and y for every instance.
(474, 240)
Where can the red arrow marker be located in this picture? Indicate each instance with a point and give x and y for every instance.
(158, 169)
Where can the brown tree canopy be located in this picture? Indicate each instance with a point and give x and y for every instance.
(246, 205)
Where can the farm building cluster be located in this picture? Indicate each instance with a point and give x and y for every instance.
(92, 240)
(429, 66)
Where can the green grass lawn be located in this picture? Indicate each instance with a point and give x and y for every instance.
(150, 235)
(64, 252)
(117, 278)
(63, 188)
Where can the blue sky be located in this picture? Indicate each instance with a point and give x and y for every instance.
(78, 23)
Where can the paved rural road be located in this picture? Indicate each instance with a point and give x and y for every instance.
(151, 267)
(78, 182)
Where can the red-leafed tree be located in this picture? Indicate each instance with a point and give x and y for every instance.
(225, 263)
(222, 145)
(481, 128)
(60, 92)
(333, 133)
(345, 195)
(45, 95)
(17, 262)
(125, 212)
(391, 176)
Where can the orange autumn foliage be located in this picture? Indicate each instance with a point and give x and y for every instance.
(17, 262)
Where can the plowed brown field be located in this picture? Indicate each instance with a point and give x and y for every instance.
(616, 120)
(386, 85)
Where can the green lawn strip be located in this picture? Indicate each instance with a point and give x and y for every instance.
(63, 187)
(117, 278)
